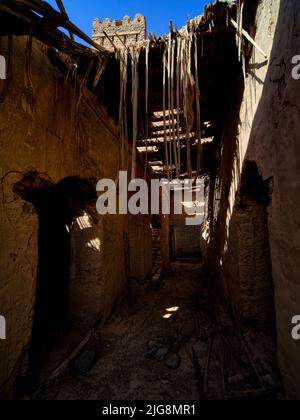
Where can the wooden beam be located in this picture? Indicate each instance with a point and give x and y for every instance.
(110, 40)
(160, 140)
(63, 11)
(249, 38)
(24, 10)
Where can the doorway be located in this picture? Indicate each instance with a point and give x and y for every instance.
(56, 205)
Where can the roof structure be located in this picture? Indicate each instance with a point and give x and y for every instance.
(176, 88)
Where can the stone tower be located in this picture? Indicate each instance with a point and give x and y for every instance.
(129, 31)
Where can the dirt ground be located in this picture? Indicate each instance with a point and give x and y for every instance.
(208, 357)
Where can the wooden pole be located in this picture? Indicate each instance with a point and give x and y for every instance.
(63, 11)
(198, 105)
(248, 37)
(178, 94)
(164, 113)
(169, 98)
(172, 108)
(147, 102)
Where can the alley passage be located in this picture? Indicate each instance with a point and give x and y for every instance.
(177, 342)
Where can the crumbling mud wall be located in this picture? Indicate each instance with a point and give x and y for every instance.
(254, 237)
(48, 136)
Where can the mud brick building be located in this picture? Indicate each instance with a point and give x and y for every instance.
(147, 306)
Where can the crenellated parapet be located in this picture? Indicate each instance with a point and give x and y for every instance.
(124, 31)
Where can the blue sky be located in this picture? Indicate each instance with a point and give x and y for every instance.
(158, 12)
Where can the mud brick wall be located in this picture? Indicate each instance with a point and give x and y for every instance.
(44, 133)
(255, 243)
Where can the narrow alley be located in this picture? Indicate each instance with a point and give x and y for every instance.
(172, 343)
(149, 200)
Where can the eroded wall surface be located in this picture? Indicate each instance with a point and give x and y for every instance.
(45, 129)
(268, 136)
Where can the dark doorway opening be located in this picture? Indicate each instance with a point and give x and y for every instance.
(56, 205)
(54, 242)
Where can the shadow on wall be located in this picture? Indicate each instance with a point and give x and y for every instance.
(233, 188)
(221, 180)
(220, 195)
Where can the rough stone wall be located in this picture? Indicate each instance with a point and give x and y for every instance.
(129, 31)
(44, 128)
(267, 134)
